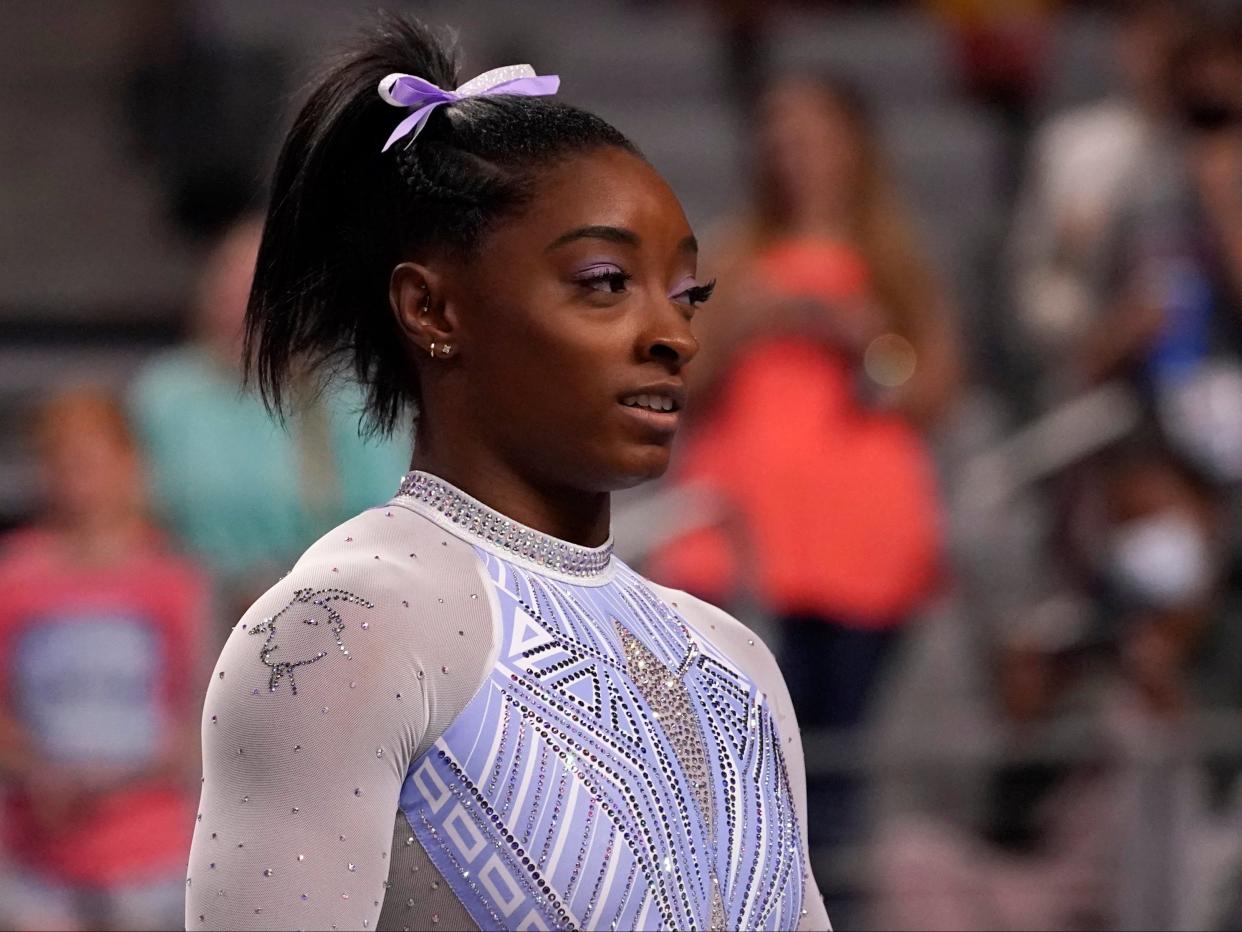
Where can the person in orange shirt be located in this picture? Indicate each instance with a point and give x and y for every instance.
(831, 357)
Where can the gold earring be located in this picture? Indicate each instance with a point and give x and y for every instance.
(445, 349)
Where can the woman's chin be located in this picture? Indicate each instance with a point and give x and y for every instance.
(612, 468)
(643, 464)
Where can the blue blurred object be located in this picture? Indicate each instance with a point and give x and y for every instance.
(1189, 303)
(237, 489)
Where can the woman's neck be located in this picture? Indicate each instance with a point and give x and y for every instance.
(828, 224)
(572, 515)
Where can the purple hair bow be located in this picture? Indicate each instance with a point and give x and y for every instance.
(421, 96)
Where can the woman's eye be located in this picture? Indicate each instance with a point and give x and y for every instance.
(697, 295)
(608, 282)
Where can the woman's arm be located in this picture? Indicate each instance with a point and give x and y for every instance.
(303, 765)
(937, 378)
(328, 688)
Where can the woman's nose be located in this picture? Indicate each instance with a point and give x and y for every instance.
(672, 344)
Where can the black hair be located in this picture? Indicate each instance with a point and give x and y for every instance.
(343, 213)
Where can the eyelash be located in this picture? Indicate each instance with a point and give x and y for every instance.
(700, 293)
(604, 275)
(696, 295)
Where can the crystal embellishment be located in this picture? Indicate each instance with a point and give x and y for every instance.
(634, 776)
(321, 598)
(514, 539)
(670, 700)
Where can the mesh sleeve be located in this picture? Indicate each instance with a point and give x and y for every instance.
(323, 694)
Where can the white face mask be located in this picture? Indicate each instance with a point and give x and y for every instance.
(1161, 561)
(1203, 414)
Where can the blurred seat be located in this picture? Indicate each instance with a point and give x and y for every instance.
(895, 56)
(949, 160)
(671, 51)
(696, 145)
(82, 224)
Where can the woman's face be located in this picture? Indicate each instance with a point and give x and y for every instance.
(571, 316)
(807, 142)
(90, 473)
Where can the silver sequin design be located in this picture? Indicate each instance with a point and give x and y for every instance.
(322, 598)
(518, 540)
(670, 701)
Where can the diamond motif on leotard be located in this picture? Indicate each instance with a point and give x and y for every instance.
(319, 598)
(670, 701)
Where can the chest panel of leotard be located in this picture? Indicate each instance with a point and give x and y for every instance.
(564, 795)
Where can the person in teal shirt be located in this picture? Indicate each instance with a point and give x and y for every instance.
(242, 492)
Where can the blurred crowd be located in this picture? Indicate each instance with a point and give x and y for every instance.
(852, 499)
(1011, 640)
(165, 512)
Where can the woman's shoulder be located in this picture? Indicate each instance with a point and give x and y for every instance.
(738, 643)
(386, 543)
(391, 556)
(750, 655)
(387, 601)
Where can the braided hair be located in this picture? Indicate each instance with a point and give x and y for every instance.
(343, 213)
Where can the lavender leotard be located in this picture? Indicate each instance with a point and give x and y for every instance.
(442, 719)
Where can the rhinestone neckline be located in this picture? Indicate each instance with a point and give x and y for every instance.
(492, 529)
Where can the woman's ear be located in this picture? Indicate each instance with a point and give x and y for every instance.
(416, 295)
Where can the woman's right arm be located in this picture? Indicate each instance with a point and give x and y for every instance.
(312, 716)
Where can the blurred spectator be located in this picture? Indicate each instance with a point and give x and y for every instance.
(101, 635)
(1087, 167)
(221, 466)
(829, 349)
(1121, 827)
(828, 353)
(1132, 266)
(1174, 327)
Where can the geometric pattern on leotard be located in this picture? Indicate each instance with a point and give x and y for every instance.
(557, 798)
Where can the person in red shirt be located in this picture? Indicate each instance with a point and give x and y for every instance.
(99, 669)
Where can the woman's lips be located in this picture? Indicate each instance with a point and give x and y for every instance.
(660, 421)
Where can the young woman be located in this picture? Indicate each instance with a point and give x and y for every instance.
(460, 710)
(828, 358)
(832, 314)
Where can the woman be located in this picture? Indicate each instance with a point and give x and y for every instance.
(834, 321)
(831, 358)
(459, 709)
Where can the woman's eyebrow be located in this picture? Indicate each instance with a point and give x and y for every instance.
(615, 235)
(611, 234)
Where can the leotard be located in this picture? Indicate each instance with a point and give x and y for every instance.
(441, 718)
